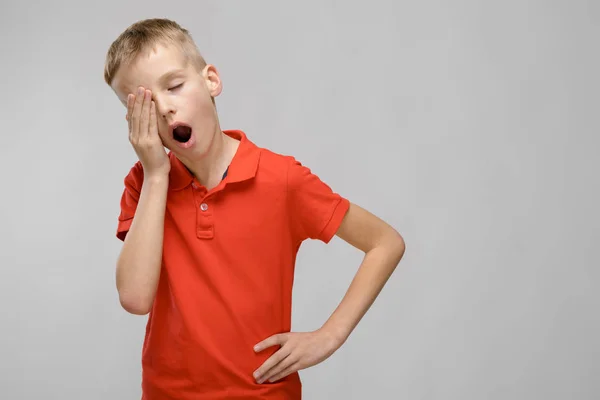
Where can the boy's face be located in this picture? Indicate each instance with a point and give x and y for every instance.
(182, 95)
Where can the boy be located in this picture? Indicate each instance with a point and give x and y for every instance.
(211, 230)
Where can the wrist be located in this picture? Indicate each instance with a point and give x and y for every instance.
(334, 334)
(157, 178)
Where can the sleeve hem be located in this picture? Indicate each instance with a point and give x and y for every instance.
(335, 221)
(123, 228)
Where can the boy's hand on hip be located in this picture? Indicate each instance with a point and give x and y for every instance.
(298, 350)
(143, 133)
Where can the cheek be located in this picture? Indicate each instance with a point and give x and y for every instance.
(165, 140)
(163, 129)
(201, 103)
(163, 132)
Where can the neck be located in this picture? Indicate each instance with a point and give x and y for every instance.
(209, 169)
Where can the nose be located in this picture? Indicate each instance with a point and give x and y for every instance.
(164, 108)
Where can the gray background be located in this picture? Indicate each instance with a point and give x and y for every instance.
(470, 126)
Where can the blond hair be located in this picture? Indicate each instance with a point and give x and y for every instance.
(142, 37)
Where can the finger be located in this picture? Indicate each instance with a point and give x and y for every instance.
(287, 371)
(277, 369)
(136, 113)
(153, 123)
(279, 339)
(271, 362)
(130, 101)
(145, 117)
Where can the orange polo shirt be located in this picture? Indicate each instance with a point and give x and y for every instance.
(227, 272)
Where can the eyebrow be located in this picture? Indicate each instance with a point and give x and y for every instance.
(169, 75)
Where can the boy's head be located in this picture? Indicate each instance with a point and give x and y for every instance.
(161, 56)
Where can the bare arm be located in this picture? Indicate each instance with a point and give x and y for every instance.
(383, 248)
(139, 264)
(140, 261)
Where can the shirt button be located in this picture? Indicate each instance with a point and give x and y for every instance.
(204, 206)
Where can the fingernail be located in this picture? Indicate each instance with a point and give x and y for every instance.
(140, 91)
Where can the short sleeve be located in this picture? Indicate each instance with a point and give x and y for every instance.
(316, 211)
(129, 199)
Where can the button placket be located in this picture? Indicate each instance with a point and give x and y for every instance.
(204, 217)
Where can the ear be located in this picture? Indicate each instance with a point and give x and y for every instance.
(212, 80)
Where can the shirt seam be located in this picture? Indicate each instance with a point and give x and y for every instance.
(287, 201)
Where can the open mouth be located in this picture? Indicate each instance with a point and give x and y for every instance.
(182, 133)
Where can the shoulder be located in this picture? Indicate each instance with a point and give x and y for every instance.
(315, 209)
(285, 167)
(273, 167)
(272, 159)
(298, 179)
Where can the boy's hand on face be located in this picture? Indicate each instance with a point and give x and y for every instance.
(143, 133)
(298, 350)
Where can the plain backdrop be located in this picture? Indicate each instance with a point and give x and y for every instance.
(470, 126)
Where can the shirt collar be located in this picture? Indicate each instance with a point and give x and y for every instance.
(243, 166)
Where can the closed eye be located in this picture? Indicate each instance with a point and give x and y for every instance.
(176, 87)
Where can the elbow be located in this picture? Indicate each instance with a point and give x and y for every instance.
(135, 304)
(400, 245)
(136, 293)
(397, 246)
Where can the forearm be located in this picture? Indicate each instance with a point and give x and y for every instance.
(375, 270)
(139, 264)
